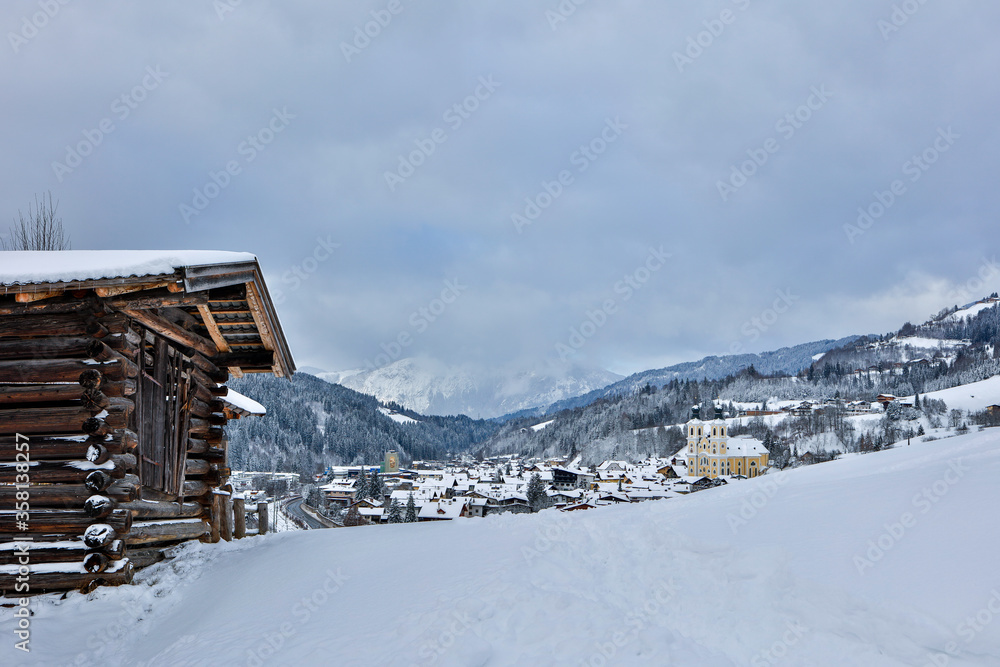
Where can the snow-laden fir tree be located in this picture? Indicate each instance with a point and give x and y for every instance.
(536, 493)
(361, 489)
(411, 510)
(376, 487)
(395, 512)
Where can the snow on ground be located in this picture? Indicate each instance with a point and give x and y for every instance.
(975, 396)
(883, 559)
(397, 417)
(930, 343)
(966, 313)
(820, 443)
(539, 427)
(770, 420)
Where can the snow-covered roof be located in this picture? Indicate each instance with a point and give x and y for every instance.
(71, 266)
(575, 471)
(745, 446)
(444, 509)
(131, 275)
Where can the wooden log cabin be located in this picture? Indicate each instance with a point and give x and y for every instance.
(113, 404)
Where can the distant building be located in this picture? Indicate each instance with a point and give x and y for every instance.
(858, 408)
(391, 462)
(803, 409)
(711, 453)
(567, 479)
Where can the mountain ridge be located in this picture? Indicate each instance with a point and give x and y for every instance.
(430, 387)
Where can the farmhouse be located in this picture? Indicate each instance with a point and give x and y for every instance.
(112, 405)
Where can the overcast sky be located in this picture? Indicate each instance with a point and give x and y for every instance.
(619, 120)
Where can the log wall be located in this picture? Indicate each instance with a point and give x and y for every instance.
(72, 383)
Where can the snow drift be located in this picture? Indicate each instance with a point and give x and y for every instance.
(882, 559)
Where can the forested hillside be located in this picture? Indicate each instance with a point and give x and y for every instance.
(311, 424)
(787, 360)
(954, 348)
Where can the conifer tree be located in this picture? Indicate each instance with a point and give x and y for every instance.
(536, 493)
(376, 487)
(411, 510)
(395, 512)
(361, 489)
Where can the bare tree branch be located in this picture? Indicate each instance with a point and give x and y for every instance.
(41, 230)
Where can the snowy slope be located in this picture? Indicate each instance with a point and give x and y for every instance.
(974, 397)
(397, 417)
(969, 311)
(433, 388)
(761, 572)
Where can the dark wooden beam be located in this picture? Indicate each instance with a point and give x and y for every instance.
(172, 332)
(255, 359)
(156, 298)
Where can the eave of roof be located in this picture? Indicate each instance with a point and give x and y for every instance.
(162, 268)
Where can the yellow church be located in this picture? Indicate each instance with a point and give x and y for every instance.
(711, 452)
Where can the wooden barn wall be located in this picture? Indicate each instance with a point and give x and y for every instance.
(118, 433)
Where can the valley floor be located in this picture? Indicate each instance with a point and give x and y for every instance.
(883, 559)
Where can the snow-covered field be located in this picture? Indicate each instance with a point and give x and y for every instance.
(883, 559)
(975, 396)
(968, 312)
(397, 417)
(929, 343)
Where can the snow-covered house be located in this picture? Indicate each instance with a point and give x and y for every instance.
(113, 364)
(476, 507)
(565, 479)
(341, 492)
(855, 408)
(443, 510)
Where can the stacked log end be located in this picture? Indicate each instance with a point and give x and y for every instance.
(120, 402)
(65, 413)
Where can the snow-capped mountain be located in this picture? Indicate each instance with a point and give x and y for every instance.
(431, 387)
